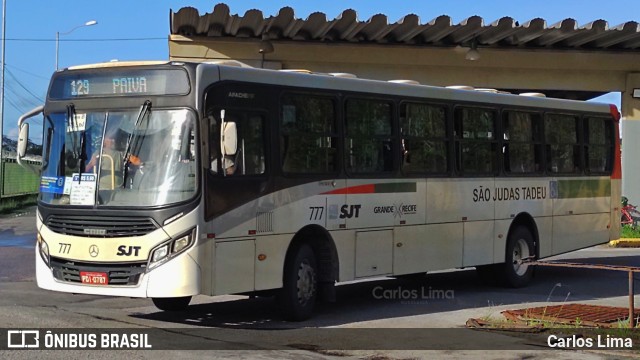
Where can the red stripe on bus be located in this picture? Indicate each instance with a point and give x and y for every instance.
(360, 189)
(617, 163)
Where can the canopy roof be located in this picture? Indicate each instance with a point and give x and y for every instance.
(409, 30)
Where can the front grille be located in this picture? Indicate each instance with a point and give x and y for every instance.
(119, 274)
(100, 226)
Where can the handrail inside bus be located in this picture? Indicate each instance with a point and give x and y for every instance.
(113, 171)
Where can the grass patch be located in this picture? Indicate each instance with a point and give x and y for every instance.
(629, 232)
(11, 204)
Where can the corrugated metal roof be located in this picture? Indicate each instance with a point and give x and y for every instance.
(441, 31)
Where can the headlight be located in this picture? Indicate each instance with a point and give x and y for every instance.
(43, 249)
(160, 253)
(171, 248)
(181, 243)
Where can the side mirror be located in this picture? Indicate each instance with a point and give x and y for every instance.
(23, 140)
(23, 137)
(229, 138)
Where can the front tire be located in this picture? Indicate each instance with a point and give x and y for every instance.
(297, 298)
(520, 246)
(172, 304)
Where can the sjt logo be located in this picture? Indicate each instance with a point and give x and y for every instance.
(349, 211)
(124, 250)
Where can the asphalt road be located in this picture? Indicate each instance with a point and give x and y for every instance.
(378, 312)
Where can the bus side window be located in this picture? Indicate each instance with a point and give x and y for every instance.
(424, 138)
(598, 145)
(249, 158)
(476, 140)
(368, 140)
(521, 142)
(563, 149)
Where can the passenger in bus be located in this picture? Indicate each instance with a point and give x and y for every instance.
(229, 165)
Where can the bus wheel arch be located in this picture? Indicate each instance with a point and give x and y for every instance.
(522, 243)
(527, 221)
(311, 254)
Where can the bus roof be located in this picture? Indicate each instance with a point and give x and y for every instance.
(303, 79)
(230, 70)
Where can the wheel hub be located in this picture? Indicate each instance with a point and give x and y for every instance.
(520, 252)
(306, 283)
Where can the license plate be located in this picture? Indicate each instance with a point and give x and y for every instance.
(94, 278)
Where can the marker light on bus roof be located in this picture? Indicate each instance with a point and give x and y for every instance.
(460, 87)
(343, 75)
(493, 91)
(402, 81)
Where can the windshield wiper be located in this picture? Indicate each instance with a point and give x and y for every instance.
(80, 154)
(72, 125)
(83, 154)
(144, 110)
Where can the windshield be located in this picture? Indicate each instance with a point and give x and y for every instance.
(143, 157)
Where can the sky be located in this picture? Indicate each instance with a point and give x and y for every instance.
(139, 30)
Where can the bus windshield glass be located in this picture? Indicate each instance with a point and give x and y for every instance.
(133, 158)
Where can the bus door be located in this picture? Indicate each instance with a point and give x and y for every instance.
(236, 191)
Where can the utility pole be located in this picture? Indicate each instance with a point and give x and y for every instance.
(4, 36)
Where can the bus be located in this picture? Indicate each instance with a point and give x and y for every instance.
(167, 180)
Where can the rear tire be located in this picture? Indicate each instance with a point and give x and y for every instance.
(520, 246)
(172, 304)
(297, 298)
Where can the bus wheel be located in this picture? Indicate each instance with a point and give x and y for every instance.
(172, 304)
(520, 246)
(297, 297)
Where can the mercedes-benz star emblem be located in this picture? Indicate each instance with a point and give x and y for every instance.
(93, 250)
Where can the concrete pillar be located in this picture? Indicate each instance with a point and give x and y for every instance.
(631, 140)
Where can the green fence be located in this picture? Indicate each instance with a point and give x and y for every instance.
(17, 180)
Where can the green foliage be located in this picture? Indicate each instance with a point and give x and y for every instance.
(17, 180)
(11, 204)
(629, 232)
(307, 141)
(475, 131)
(423, 130)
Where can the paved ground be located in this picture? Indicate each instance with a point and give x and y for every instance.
(381, 312)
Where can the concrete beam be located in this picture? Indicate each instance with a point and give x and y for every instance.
(630, 144)
(499, 68)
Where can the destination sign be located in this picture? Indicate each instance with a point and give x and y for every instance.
(102, 83)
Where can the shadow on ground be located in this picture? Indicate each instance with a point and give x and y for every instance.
(434, 293)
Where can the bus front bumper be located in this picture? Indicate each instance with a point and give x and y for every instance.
(177, 277)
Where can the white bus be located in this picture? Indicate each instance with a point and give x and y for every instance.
(167, 180)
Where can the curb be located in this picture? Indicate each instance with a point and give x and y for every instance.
(626, 242)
